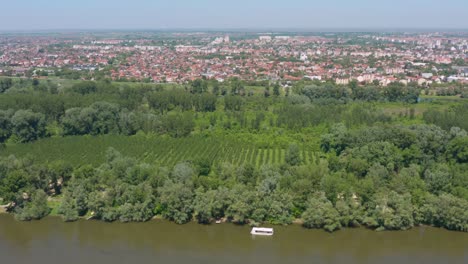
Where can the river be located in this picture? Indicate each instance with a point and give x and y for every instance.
(51, 241)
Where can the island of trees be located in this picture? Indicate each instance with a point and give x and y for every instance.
(323, 155)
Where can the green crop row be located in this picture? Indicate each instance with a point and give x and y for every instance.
(165, 151)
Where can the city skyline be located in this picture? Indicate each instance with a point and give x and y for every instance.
(208, 14)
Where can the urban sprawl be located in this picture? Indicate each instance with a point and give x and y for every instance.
(374, 58)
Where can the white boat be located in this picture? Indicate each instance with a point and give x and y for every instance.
(262, 231)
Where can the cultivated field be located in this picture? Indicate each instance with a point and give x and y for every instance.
(165, 151)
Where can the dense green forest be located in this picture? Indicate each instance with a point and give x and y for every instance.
(324, 155)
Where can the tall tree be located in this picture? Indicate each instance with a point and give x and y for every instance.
(293, 156)
(28, 126)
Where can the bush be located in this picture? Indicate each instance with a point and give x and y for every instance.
(35, 209)
(320, 213)
(293, 157)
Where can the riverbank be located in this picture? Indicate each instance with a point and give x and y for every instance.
(89, 216)
(298, 222)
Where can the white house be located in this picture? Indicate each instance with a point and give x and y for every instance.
(427, 75)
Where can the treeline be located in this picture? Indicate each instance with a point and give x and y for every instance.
(98, 119)
(382, 177)
(53, 101)
(165, 101)
(328, 93)
(299, 115)
(456, 116)
(200, 95)
(5, 84)
(24, 125)
(452, 90)
(94, 108)
(78, 111)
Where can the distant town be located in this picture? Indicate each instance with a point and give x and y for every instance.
(171, 57)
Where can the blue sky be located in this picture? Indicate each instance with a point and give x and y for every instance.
(190, 14)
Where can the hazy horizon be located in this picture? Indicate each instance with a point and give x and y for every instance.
(399, 15)
(241, 30)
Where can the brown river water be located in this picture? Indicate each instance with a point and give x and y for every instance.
(51, 241)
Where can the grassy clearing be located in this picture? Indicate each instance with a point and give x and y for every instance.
(397, 109)
(443, 98)
(54, 204)
(68, 83)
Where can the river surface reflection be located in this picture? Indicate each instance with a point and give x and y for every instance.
(52, 241)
